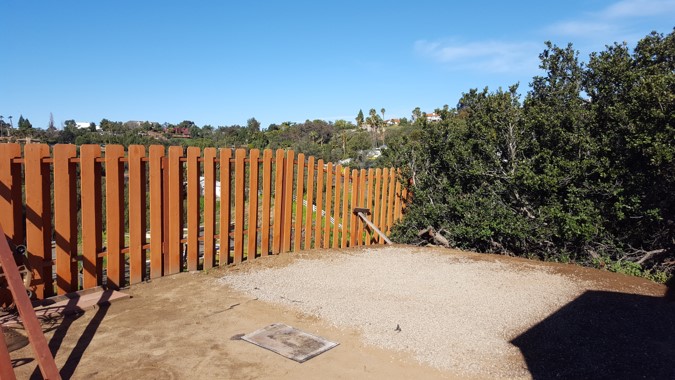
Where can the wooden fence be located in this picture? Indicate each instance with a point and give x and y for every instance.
(93, 215)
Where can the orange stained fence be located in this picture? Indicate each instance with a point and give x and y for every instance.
(92, 215)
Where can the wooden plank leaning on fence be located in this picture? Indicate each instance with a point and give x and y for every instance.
(36, 338)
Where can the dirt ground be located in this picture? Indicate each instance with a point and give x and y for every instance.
(186, 327)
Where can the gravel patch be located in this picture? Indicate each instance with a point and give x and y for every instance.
(449, 311)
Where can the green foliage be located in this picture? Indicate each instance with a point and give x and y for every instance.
(556, 176)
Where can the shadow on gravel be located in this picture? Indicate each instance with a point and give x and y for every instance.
(604, 335)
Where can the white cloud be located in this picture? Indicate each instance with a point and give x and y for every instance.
(637, 8)
(614, 19)
(493, 56)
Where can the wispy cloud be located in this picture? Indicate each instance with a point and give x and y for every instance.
(613, 19)
(493, 56)
(637, 8)
(623, 20)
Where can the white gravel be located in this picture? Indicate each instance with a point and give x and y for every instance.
(454, 313)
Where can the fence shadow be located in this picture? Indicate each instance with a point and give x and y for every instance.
(604, 335)
(71, 363)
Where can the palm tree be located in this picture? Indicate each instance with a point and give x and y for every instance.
(382, 111)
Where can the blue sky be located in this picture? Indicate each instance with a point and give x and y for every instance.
(220, 63)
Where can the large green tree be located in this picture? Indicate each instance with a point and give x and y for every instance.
(582, 170)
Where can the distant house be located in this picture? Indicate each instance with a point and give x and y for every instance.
(178, 132)
(393, 121)
(429, 116)
(86, 125)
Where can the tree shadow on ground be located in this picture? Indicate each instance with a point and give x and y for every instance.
(604, 335)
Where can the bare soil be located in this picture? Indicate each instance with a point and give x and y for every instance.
(186, 327)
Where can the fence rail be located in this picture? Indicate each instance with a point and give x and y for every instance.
(121, 216)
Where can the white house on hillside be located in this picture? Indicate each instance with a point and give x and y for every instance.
(85, 125)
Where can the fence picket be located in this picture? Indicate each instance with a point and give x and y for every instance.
(137, 213)
(353, 225)
(319, 205)
(310, 209)
(329, 201)
(297, 234)
(390, 201)
(192, 196)
(114, 215)
(267, 202)
(252, 249)
(65, 226)
(225, 206)
(90, 191)
(383, 203)
(369, 204)
(376, 206)
(336, 207)
(362, 203)
(156, 210)
(209, 207)
(11, 203)
(175, 209)
(345, 210)
(278, 200)
(239, 193)
(288, 201)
